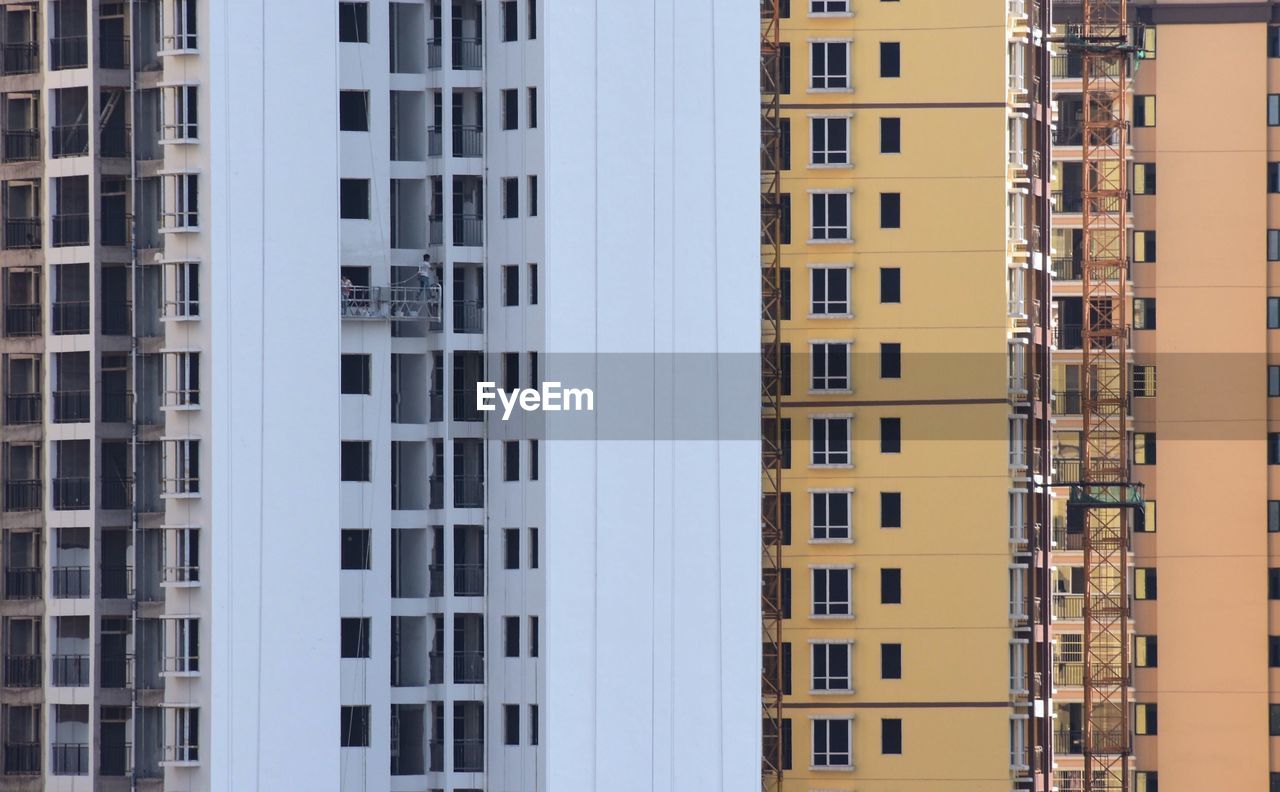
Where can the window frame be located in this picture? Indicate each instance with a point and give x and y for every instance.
(827, 307)
(821, 377)
(829, 757)
(828, 155)
(829, 531)
(829, 82)
(827, 228)
(824, 455)
(827, 607)
(821, 648)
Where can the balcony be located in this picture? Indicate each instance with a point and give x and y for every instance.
(468, 755)
(1067, 471)
(22, 758)
(115, 673)
(116, 582)
(468, 580)
(71, 406)
(70, 140)
(70, 493)
(71, 317)
(115, 758)
(23, 495)
(468, 53)
(1068, 674)
(23, 671)
(71, 582)
(21, 145)
(468, 492)
(468, 667)
(468, 316)
(70, 229)
(395, 303)
(1068, 606)
(1068, 135)
(21, 57)
(113, 52)
(70, 759)
(116, 493)
(1068, 741)
(1065, 539)
(435, 668)
(468, 230)
(468, 141)
(23, 583)
(22, 233)
(68, 52)
(433, 54)
(70, 670)
(435, 490)
(22, 408)
(1068, 202)
(1068, 336)
(434, 144)
(1066, 268)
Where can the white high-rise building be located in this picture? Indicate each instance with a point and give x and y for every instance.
(215, 215)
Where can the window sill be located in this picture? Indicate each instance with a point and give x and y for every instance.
(832, 616)
(831, 541)
(833, 768)
(843, 692)
(837, 241)
(830, 315)
(831, 165)
(832, 465)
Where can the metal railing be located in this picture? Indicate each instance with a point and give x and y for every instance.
(70, 140)
(468, 580)
(1071, 202)
(23, 583)
(468, 316)
(433, 54)
(21, 145)
(468, 754)
(68, 52)
(468, 667)
(1067, 402)
(435, 668)
(1068, 606)
(21, 58)
(22, 758)
(468, 140)
(22, 233)
(70, 493)
(1068, 674)
(468, 491)
(434, 142)
(468, 230)
(1067, 471)
(113, 52)
(22, 320)
(115, 673)
(116, 582)
(435, 579)
(22, 408)
(23, 495)
(1068, 741)
(1068, 336)
(1066, 268)
(70, 759)
(70, 582)
(70, 670)
(435, 492)
(23, 671)
(71, 317)
(116, 493)
(1064, 539)
(468, 53)
(70, 229)
(70, 406)
(396, 303)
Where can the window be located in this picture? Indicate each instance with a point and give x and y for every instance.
(355, 720)
(510, 712)
(510, 285)
(1144, 519)
(891, 210)
(891, 736)
(1273, 313)
(533, 450)
(510, 370)
(828, 6)
(533, 636)
(1144, 381)
(353, 111)
(182, 202)
(890, 435)
(784, 145)
(891, 661)
(1273, 583)
(831, 515)
(511, 460)
(1144, 313)
(511, 636)
(830, 366)
(830, 141)
(1144, 448)
(1144, 178)
(1273, 109)
(533, 548)
(355, 460)
(1273, 448)
(1144, 583)
(890, 586)
(1273, 177)
(1273, 380)
(182, 289)
(832, 742)
(533, 370)
(353, 23)
(1144, 719)
(830, 215)
(890, 285)
(533, 724)
(1273, 516)
(355, 638)
(1144, 111)
(890, 59)
(831, 592)
(829, 295)
(891, 510)
(1273, 720)
(784, 68)
(1144, 247)
(1273, 244)
(511, 548)
(532, 19)
(510, 109)
(355, 549)
(509, 17)
(890, 135)
(355, 375)
(1144, 651)
(533, 196)
(354, 204)
(891, 361)
(829, 65)
(831, 441)
(533, 284)
(831, 666)
(183, 106)
(510, 197)
(532, 110)
(1273, 41)
(1146, 781)
(784, 222)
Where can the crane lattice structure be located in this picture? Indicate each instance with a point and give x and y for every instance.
(1105, 492)
(771, 390)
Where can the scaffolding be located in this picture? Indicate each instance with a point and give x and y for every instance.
(771, 386)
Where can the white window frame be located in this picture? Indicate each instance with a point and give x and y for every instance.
(181, 280)
(823, 647)
(824, 456)
(823, 533)
(829, 156)
(823, 724)
(181, 467)
(828, 228)
(827, 307)
(830, 8)
(181, 556)
(182, 646)
(824, 609)
(181, 747)
(181, 201)
(821, 355)
(823, 82)
(182, 32)
(181, 113)
(181, 379)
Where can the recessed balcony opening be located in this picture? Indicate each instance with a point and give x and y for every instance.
(22, 385)
(435, 571)
(147, 125)
(468, 649)
(113, 38)
(468, 123)
(468, 473)
(115, 574)
(148, 211)
(468, 211)
(408, 739)
(21, 127)
(435, 741)
(115, 664)
(182, 737)
(21, 52)
(22, 483)
(468, 736)
(409, 385)
(182, 646)
(71, 473)
(408, 651)
(71, 564)
(23, 561)
(71, 651)
(113, 212)
(468, 298)
(147, 20)
(69, 45)
(468, 42)
(408, 208)
(468, 561)
(70, 299)
(71, 389)
(407, 33)
(70, 211)
(22, 224)
(408, 471)
(409, 133)
(468, 370)
(409, 571)
(22, 739)
(70, 130)
(23, 659)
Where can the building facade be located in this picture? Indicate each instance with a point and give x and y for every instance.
(914, 337)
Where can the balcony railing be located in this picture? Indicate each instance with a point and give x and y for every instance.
(70, 229)
(1068, 336)
(1071, 202)
(468, 316)
(468, 53)
(71, 317)
(116, 582)
(468, 755)
(22, 408)
(21, 58)
(69, 52)
(468, 230)
(1065, 539)
(22, 583)
(113, 52)
(23, 495)
(468, 580)
(70, 406)
(22, 758)
(435, 668)
(468, 141)
(1066, 268)
(468, 492)
(116, 493)
(396, 303)
(1068, 606)
(433, 54)
(1067, 402)
(1068, 135)
(70, 670)
(22, 233)
(1068, 741)
(1067, 471)
(70, 582)
(22, 320)
(70, 140)
(468, 668)
(70, 759)
(435, 492)
(23, 671)
(1068, 674)
(21, 145)
(71, 493)
(434, 142)
(115, 673)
